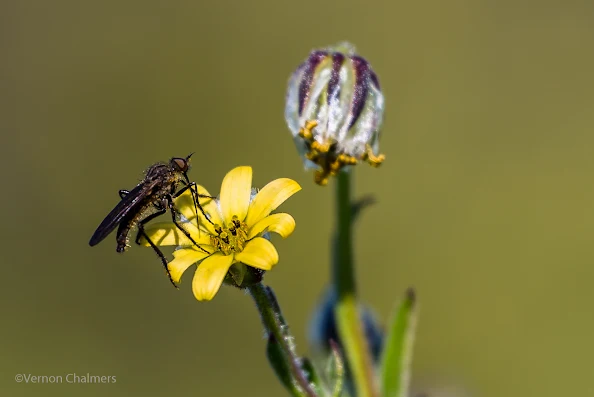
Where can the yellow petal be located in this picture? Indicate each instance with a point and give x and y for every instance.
(235, 193)
(259, 253)
(166, 233)
(183, 259)
(209, 276)
(281, 223)
(269, 198)
(185, 204)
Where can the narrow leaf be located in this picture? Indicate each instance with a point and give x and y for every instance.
(359, 205)
(397, 354)
(336, 370)
(312, 376)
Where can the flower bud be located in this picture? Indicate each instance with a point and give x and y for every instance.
(334, 109)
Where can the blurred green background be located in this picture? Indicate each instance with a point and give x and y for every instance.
(485, 202)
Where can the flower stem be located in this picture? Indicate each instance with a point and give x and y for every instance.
(274, 324)
(346, 311)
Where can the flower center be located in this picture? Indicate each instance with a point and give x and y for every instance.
(231, 238)
(327, 156)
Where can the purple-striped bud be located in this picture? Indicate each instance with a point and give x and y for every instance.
(334, 110)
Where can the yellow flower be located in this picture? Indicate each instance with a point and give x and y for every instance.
(238, 221)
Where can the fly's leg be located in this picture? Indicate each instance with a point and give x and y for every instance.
(142, 233)
(195, 195)
(169, 202)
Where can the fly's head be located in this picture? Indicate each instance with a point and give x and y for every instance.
(181, 166)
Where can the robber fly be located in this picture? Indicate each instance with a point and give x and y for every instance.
(152, 197)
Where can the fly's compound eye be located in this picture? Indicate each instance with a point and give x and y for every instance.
(180, 164)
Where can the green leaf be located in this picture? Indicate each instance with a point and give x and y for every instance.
(397, 353)
(312, 376)
(278, 361)
(359, 205)
(336, 370)
(238, 271)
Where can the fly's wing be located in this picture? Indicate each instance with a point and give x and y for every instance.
(127, 205)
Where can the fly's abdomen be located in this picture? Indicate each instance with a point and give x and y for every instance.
(126, 225)
(122, 235)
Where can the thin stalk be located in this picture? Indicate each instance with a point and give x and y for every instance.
(346, 311)
(272, 319)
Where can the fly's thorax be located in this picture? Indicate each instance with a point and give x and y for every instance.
(165, 180)
(156, 170)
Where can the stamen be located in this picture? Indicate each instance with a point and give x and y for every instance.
(371, 158)
(320, 147)
(232, 238)
(321, 177)
(306, 132)
(328, 157)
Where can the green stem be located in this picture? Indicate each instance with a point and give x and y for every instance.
(346, 311)
(274, 324)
